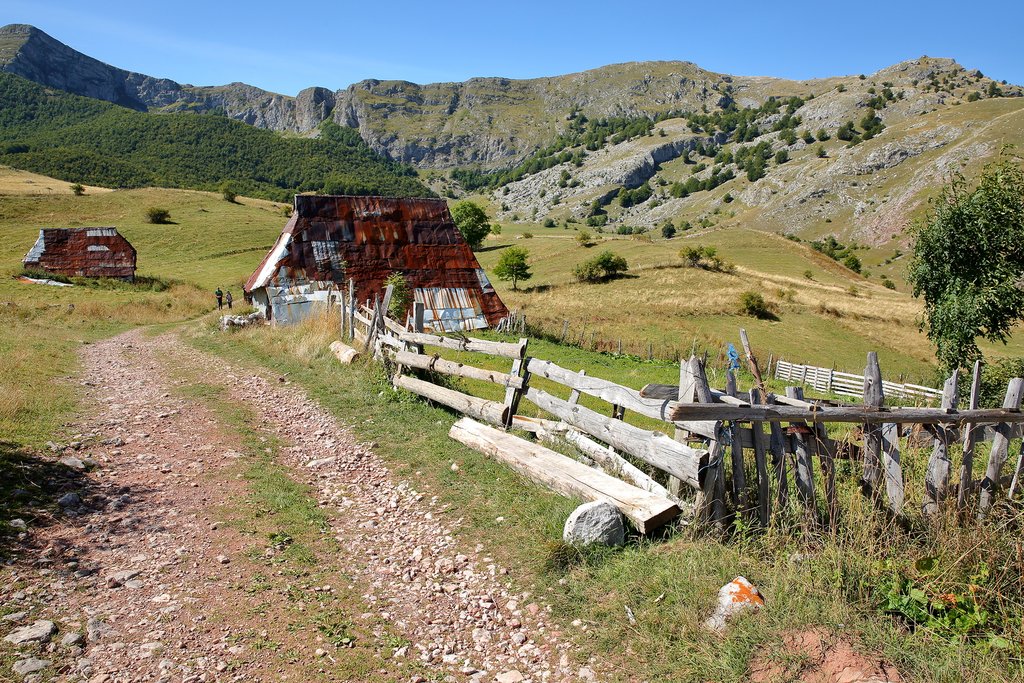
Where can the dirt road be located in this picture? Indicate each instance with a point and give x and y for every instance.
(171, 559)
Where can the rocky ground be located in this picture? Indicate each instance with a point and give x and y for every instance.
(152, 565)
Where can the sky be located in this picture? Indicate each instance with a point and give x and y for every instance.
(285, 48)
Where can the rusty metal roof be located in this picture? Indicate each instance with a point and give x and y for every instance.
(330, 239)
(82, 252)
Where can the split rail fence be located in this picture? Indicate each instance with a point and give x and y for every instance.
(832, 381)
(716, 454)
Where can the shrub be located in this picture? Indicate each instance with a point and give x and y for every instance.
(994, 378)
(549, 222)
(821, 152)
(157, 215)
(887, 283)
(754, 305)
(78, 189)
(401, 295)
(852, 262)
(604, 266)
(668, 231)
(228, 193)
(527, 235)
(808, 274)
(584, 238)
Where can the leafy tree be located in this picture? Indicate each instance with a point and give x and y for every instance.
(821, 152)
(227, 191)
(471, 220)
(401, 296)
(754, 305)
(78, 189)
(668, 231)
(967, 261)
(823, 135)
(514, 265)
(604, 266)
(781, 157)
(852, 262)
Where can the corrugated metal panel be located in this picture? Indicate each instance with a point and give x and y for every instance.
(36, 251)
(447, 309)
(332, 239)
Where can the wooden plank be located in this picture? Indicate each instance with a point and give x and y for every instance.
(1017, 472)
(826, 449)
(868, 415)
(371, 331)
(435, 363)
(646, 510)
(481, 409)
(653, 448)
(670, 392)
(616, 394)
(936, 478)
(1000, 449)
(351, 309)
(613, 463)
(804, 472)
(685, 394)
(777, 448)
(536, 425)
(345, 353)
(711, 500)
(760, 463)
(504, 349)
(892, 471)
(970, 435)
(751, 360)
(739, 475)
(514, 393)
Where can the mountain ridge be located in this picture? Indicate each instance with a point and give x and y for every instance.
(486, 122)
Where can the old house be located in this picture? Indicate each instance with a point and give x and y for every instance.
(331, 240)
(82, 252)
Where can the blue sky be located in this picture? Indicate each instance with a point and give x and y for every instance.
(284, 48)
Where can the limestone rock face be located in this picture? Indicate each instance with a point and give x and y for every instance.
(596, 522)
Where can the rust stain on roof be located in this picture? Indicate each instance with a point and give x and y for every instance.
(331, 239)
(82, 252)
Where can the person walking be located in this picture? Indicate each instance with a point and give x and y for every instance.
(220, 298)
(228, 299)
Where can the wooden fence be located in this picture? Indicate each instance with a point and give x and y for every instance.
(716, 454)
(832, 381)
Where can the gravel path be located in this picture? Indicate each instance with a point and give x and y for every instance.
(143, 583)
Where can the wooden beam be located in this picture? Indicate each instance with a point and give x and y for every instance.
(669, 392)
(873, 416)
(653, 448)
(936, 477)
(970, 436)
(646, 510)
(1000, 450)
(891, 468)
(481, 409)
(504, 349)
(614, 463)
(874, 398)
(803, 448)
(446, 367)
(760, 463)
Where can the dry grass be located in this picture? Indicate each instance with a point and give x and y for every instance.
(14, 182)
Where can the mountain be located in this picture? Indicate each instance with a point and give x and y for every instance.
(484, 122)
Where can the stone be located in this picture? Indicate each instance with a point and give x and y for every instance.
(595, 522)
(97, 629)
(24, 667)
(14, 616)
(69, 500)
(38, 632)
(72, 639)
(223, 559)
(120, 577)
(18, 524)
(72, 462)
(735, 597)
(512, 676)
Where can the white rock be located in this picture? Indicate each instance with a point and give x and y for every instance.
(512, 676)
(739, 595)
(24, 667)
(596, 522)
(38, 632)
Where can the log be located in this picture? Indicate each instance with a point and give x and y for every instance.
(1000, 449)
(653, 448)
(970, 435)
(447, 367)
(481, 409)
(345, 353)
(614, 463)
(936, 477)
(646, 510)
(504, 349)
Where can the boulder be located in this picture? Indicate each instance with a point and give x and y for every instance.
(596, 522)
(735, 597)
(38, 632)
(24, 667)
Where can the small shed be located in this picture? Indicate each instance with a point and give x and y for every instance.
(82, 252)
(330, 240)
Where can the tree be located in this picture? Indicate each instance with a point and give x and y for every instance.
(514, 265)
(471, 221)
(401, 296)
(78, 189)
(967, 261)
(668, 231)
(602, 267)
(852, 262)
(227, 191)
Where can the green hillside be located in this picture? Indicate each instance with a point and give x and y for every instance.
(89, 141)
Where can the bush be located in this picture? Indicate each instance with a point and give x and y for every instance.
(668, 231)
(157, 215)
(584, 238)
(527, 235)
(754, 305)
(401, 296)
(78, 189)
(994, 378)
(808, 274)
(821, 152)
(228, 193)
(887, 283)
(604, 266)
(549, 222)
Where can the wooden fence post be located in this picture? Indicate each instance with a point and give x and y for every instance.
(777, 447)
(804, 462)
(936, 478)
(685, 394)
(761, 463)
(1000, 449)
(874, 397)
(351, 309)
(893, 472)
(739, 476)
(967, 464)
(513, 395)
(712, 496)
